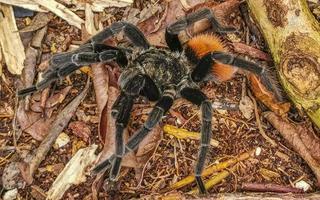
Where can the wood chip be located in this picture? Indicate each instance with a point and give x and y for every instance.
(12, 47)
(27, 4)
(73, 173)
(62, 11)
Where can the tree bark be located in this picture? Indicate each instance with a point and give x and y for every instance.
(293, 36)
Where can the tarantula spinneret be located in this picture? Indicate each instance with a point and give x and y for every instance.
(161, 75)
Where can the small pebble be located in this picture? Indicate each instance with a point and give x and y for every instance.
(258, 151)
(303, 185)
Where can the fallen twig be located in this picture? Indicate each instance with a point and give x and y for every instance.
(250, 51)
(261, 187)
(185, 134)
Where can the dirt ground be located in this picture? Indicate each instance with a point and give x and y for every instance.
(171, 159)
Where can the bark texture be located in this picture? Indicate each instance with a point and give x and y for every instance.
(293, 36)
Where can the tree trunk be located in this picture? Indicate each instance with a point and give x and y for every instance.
(293, 36)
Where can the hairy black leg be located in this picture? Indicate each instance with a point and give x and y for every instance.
(197, 97)
(161, 107)
(61, 65)
(203, 68)
(124, 106)
(173, 30)
(130, 86)
(132, 32)
(150, 90)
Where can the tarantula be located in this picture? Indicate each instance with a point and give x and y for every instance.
(161, 75)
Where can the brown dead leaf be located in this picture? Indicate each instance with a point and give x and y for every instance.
(293, 134)
(80, 129)
(267, 97)
(52, 101)
(32, 123)
(148, 145)
(107, 130)
(101, 83)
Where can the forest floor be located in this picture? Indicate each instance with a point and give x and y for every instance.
(163, 159)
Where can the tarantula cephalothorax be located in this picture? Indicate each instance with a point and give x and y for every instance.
(159, 74)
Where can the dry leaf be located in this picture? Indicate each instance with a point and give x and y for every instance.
(80, 129)
(293, 134)
(148, 145)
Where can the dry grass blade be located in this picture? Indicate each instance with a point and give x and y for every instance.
(61, 11)
(212, 169)
(185, 134)
(10, 40)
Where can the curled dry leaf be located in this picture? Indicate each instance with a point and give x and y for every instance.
(81, 129)
(293, 134)
(266, 97)
(53, 100)
(100, 83)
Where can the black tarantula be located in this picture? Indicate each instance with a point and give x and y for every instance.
(160, 75)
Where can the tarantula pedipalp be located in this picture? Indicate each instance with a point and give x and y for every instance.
(161, 75)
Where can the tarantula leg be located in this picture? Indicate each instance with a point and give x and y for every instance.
(131, 86)
(173, 30)
(48, 77)
(205, 64)
(125, 104)
(161, 107)
(87, 54)
(61, 65)
(197, 97)
(131, 32)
